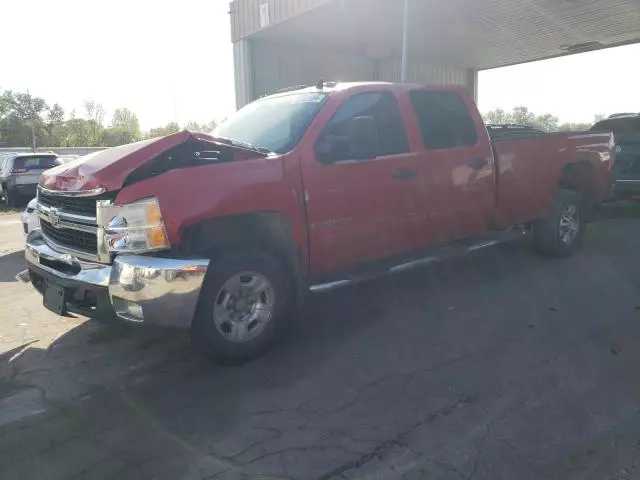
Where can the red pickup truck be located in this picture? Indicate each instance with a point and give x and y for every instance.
(308, 189)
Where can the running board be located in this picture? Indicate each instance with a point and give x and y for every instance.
(436, 254)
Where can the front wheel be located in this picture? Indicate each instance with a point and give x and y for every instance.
(561, 232)
(245, 306)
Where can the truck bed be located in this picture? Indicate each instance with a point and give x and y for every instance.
(528, 162)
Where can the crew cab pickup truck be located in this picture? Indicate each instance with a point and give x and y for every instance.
(308, 189)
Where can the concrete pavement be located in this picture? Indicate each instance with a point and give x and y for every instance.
(500, 365)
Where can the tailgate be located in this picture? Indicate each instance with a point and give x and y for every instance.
(627, 163)
(29, 178)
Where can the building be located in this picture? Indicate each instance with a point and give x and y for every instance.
(279, 43)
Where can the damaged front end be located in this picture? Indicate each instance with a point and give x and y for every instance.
(98, 258)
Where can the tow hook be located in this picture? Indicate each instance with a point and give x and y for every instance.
(23, 276)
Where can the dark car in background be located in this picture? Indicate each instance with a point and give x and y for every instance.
(20, 174)
(626, 171)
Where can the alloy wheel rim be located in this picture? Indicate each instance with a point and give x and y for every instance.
(569, 224)
(244, 306)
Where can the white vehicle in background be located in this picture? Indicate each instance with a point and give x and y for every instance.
(68, 158)
(29, 217)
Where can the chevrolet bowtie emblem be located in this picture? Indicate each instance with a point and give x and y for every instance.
(54, 217)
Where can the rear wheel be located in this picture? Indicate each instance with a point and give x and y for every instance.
(245, 307)
(561, 232)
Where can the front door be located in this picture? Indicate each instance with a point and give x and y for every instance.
(361, 210)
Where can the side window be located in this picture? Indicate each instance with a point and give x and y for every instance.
(385, 111)
(444, 120)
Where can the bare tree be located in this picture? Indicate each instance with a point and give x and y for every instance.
(95, 117)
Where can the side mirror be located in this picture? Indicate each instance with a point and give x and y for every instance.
(360, 142)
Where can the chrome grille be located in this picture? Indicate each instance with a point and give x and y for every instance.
(70, 238)
(75, 205)
(68, 223)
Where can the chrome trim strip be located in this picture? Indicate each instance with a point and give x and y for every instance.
(326, 287)
(78, 218)
(69, 226)
(45, 209)
(479, 246)
(413, 264)
(77, 193)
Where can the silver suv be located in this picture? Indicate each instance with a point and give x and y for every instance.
(20, 174)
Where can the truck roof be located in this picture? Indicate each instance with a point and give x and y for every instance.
(334, 87)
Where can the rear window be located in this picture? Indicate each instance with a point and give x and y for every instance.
(444, 120)
(35, 162)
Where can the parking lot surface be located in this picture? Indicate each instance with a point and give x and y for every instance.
(499, 365)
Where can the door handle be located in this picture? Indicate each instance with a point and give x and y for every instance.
(404, 174)
(479, 163)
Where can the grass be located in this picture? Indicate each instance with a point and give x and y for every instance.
(4, 210)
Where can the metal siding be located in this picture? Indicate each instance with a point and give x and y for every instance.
(278, 65)
(422, 72)
(464, 33)
(472, 82)
(243, 72)
(245, 14)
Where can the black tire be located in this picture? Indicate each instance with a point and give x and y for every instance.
(9, 197)
(206, 337)
(548, 233)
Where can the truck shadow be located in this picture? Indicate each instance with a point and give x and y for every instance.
(10, 265)
(173, 377)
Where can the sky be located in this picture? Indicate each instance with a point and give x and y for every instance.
(172, 61)
(573, 88)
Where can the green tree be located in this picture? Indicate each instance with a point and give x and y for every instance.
(574, 126)
(546, 122)
(55, 127)
(201, 127)
(497, 117)
(124, 128)
(168, 129)
(522, 116)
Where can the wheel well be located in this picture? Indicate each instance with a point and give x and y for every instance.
(266, 231)
(581, 178)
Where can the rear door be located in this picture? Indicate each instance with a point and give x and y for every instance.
(361, 210)
(456, 166)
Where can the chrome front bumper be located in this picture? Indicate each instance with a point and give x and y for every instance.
(141, 289)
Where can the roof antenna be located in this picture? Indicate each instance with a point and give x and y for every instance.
(320, 84)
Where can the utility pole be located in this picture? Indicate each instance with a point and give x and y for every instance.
(405, 42)
(33, 123)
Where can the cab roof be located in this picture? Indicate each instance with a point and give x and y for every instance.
(335, 87)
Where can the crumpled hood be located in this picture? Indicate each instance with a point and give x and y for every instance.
(109, 168)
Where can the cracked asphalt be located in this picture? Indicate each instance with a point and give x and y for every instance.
(499, 365)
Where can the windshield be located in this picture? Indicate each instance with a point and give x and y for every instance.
(273, 123)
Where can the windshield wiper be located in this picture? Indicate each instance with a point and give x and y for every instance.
(248, 146)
